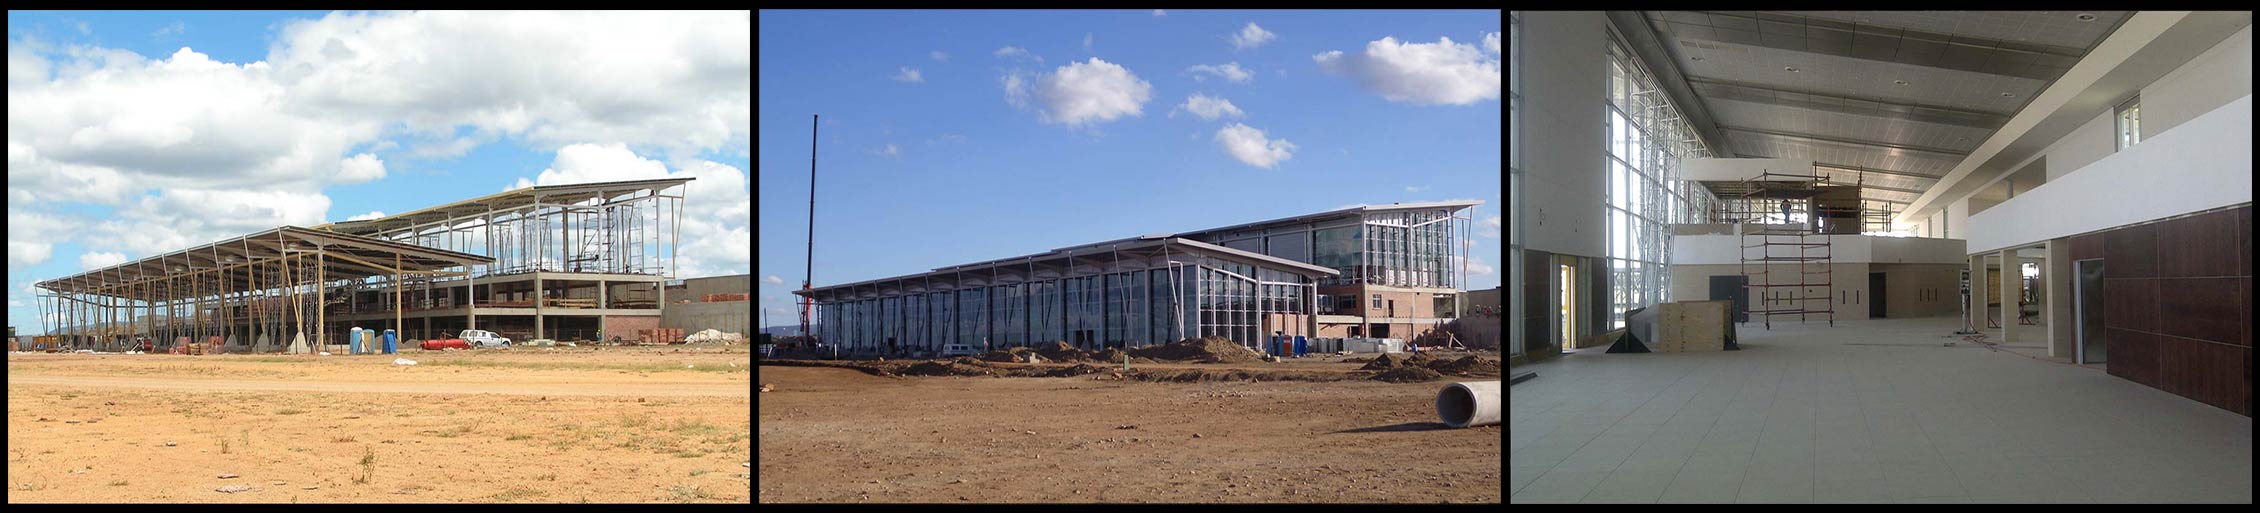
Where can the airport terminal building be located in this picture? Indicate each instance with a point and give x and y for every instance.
(1383, 271)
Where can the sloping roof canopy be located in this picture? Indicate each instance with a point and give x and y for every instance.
(339, 252)
(1101, 249)
(1341, 212)
(503, 201)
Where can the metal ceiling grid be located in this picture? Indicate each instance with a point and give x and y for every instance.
(1926, 85)
(1768, 146)
(1872, 42)
(2059, 28)
(1731, 113)
(1844, 104)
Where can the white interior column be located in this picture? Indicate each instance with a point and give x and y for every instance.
(1977, 293)
(2010, 283)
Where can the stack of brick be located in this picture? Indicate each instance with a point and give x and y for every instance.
(660, 336)
(717, 298)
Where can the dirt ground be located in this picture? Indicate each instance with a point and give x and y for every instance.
(519, 425)
(840, 435)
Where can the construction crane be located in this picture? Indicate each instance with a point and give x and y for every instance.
(809, 274)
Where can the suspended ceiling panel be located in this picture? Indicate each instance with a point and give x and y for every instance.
(1900, 95)
(2059, 28)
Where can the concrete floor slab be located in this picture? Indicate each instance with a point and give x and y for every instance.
(1867, 411)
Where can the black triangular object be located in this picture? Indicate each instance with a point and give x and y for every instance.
(1628, 344)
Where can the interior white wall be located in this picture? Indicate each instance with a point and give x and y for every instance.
(1958, 219)
(2205, 165)
(1843, 249)
(1563, 59)
(1937, 225)
(2214, 78)
(2090, 142)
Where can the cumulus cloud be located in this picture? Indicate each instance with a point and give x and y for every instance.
(774, 279)
(179, 218)
(1080, 93)
(716, 237)
(173, 29)
(889, 150)
(361, 168)
(32, 235)
(1251, 36)
(1249, 145)
(908, 74)
(1440, 73)
(373, 214)
(1229, 71)
(1475, 265)
(1491, 42)
(1491, 227)
(97, 260)
(1207, 107)
(1018, 52)
(938, 56)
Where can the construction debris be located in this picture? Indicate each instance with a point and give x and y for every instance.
(712, 336)
(234, 489)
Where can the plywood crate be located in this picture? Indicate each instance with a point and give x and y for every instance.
(1691, 326)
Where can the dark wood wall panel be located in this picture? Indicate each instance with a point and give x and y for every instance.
(2199, 246)
(2131, 251)
(2207, 372)
(1535, 268)
(2133, 356)
(2244, 232)
(2087, 246)
(2201, 308)
(2129, 304)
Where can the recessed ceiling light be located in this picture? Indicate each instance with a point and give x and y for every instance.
(2085, 17)
(2008, 95)
(1791, 69)
(1900, 82)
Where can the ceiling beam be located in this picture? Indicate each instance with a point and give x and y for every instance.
(1839, 103)
(1855, 142)
(1874, 170)
(1872, 42)
(1643, 40)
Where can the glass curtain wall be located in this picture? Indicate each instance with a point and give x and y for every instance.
(1514, 181)
(1646, 138)
(944, 324)
(1005, 305)
(972, 318)
(914, 322)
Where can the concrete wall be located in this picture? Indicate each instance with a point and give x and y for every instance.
(2212, 79)
(1848, 286)
(1958, 219)
(1564, 74)
(695, 288)
(2207, 166)
(731, 317)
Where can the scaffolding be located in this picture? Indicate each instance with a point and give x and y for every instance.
(1784, 262)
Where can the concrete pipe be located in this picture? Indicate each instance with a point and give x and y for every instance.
(1471, 403)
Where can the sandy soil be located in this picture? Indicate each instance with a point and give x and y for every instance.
(838, 435)
(608, 425)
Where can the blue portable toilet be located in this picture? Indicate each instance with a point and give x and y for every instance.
(353, 342)
(1302, 345)
(390, 340)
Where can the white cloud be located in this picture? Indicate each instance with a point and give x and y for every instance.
(82, 29)
(1475, 265)
(373, 214)
(361, 168)
(1086, 41)
(716, 237)
(1160, 13)
(175, 28)
(1015, 51)
(93, 260)
(907, 74)
(938, 56)
(1491, 42)
(1491, 227)
(1440, 73)
(29, 253)
(1250, 146)
(1081, 93)
(774, 279)
(888, 150)
(1229, 71)
(1409, 188)
(1207, 107)
(32, 235)
(1251, 36)
(179, 218)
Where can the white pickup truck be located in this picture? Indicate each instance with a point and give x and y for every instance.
(484, 338)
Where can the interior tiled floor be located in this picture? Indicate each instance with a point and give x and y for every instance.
(1868, 411)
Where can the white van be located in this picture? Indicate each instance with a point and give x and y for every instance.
(954, 350)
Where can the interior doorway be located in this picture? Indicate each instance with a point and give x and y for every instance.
(1568, 307)
(2087, 308)
(1875, 295)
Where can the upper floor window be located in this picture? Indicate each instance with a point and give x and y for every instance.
(2130, 122)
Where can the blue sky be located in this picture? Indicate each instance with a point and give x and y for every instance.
(136, 133)
(981, 170)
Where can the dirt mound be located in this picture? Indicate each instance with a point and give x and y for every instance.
(1385, 362)
(1196, 376)
(1356, 360)
(963, 367)
(1205, 350)
(1007, 355)
(1469, 365)
(1408, 375)
(1077, 370)
(1419, 359)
